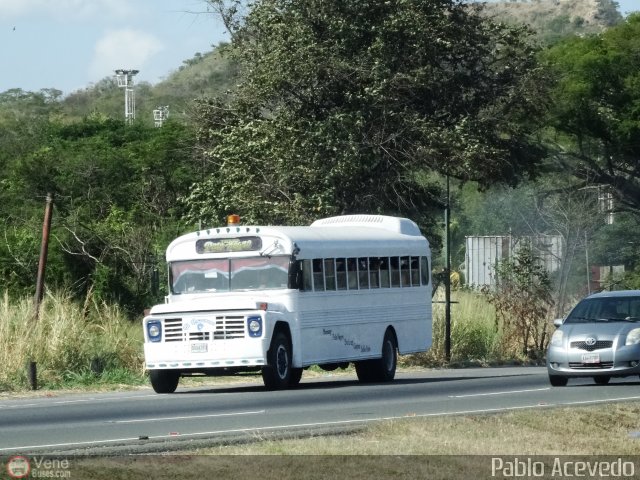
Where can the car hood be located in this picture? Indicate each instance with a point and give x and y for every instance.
(598, 329)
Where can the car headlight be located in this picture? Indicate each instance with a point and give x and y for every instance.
(633, 337)
(154, 330)
(556, 338)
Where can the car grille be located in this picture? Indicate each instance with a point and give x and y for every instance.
(590, 366)
(600, 344)
(227, 327)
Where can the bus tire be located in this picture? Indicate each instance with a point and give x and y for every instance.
(364, 370)
(164, 381)
(386, 366)
(382, 369)
(276, 375)
(296, 376)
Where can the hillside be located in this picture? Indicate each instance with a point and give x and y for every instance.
(555, 19)
(213, 73)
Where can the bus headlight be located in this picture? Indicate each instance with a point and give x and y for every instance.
(633, 337)
(154, 330)
(254, 326)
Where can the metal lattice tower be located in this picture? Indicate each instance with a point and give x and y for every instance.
(125, 80)
(160, 114)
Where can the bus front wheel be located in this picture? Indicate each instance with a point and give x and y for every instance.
(277, 374)
(164, 381)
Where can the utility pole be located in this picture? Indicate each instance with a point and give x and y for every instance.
(447, 278)
(32, 373)
(42, 264)
(125, 80)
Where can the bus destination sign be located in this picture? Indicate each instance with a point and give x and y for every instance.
(223, 245)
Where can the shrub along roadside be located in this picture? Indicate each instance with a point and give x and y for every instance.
(72, 344)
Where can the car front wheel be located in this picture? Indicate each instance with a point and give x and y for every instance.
(558, 381)
(602, 380)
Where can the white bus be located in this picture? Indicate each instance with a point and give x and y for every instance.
(279, 299)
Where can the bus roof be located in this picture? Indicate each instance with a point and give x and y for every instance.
(345, 236)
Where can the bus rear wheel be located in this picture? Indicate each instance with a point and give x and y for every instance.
(277, 374)
(164, 381)
(382, 369)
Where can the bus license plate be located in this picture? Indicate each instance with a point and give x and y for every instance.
(199, 347)
(590, 358)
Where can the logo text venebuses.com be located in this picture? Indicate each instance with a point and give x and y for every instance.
(20, 466)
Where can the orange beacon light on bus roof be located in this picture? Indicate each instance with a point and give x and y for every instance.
(233, 220)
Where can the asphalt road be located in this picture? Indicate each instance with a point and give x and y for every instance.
(144, 421)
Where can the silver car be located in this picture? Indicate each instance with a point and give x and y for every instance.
(600, 338)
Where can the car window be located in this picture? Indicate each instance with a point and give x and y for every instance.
(606, 309)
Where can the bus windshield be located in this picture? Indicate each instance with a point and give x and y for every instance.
(228, 274)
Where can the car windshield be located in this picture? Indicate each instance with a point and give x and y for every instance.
(223, 275)
(606, 309)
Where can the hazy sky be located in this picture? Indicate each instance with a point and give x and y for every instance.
(69, 44)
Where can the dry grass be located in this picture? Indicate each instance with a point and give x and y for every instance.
(68, 341)
(475, 336)
(435, 448)
(598, 430)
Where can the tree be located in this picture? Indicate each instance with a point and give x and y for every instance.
(116, 207)
(361, 106)
(594, 113)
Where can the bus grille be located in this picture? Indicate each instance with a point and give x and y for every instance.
(227, 327)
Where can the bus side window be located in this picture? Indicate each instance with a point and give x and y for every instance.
(384, 272)
(352, 273)
(424, 270)
(341, 273)
(307, 284)
(395, 271)
(415, 271)
(405, 274)
(363, 272)
(318, 275)
(374, 272)
(330, 273)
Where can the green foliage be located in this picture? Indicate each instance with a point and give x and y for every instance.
(594, 110)
(115, 207)
(343, 107)
(522, 299)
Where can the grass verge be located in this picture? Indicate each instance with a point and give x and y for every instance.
(440, 447)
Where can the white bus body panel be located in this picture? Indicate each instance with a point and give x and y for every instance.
(345, 326)
(325, 327)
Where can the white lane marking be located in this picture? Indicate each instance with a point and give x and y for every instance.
(500, 393)
(49, 402)
(18, 406)
(318, 424)
(188, 417)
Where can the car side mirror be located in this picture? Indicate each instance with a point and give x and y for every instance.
(558, 322)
